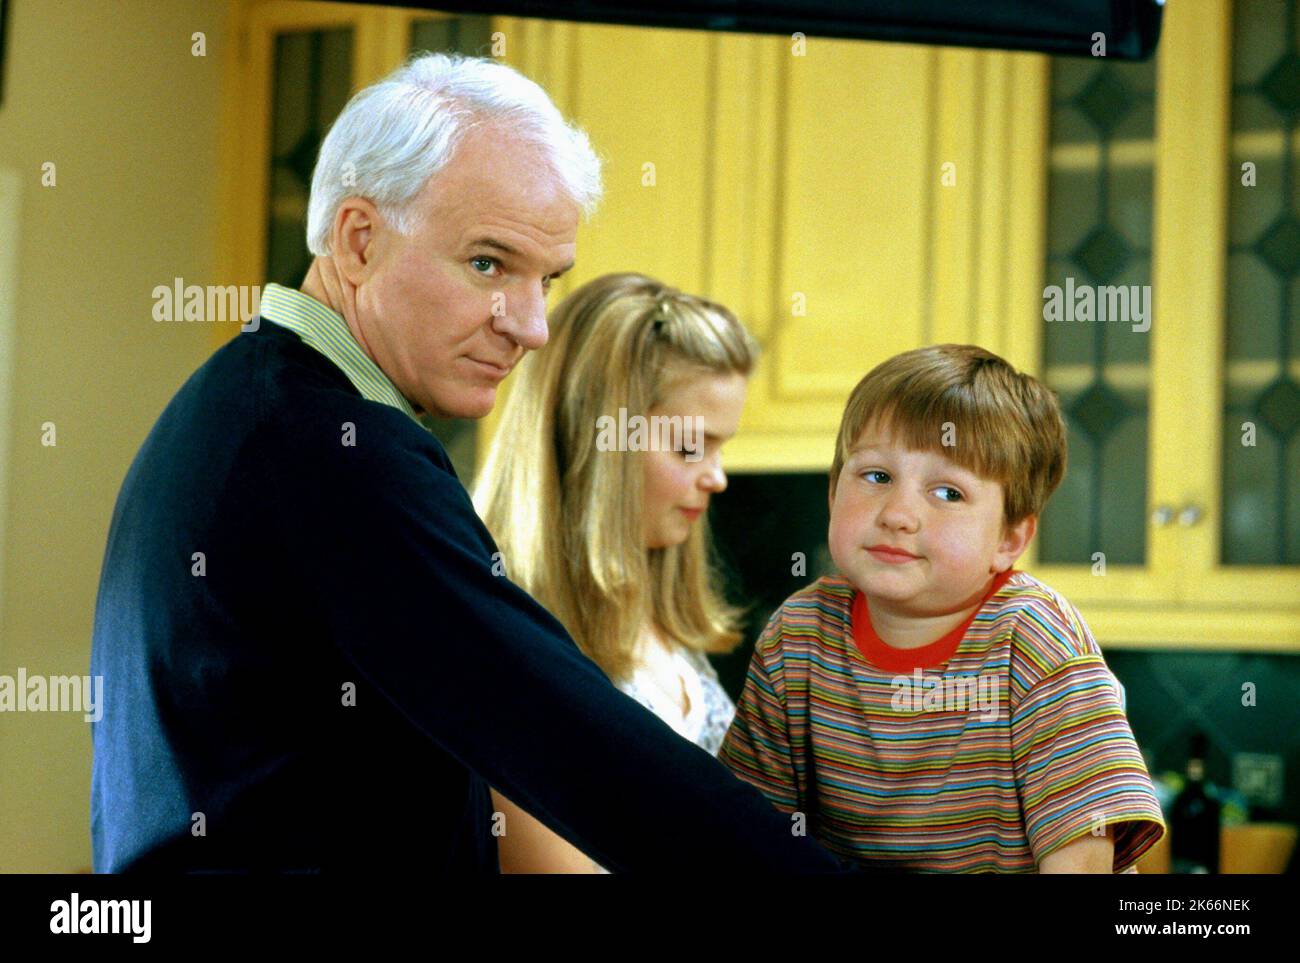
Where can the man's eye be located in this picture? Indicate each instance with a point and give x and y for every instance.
(883, 477)
(956, 495)
(490, 262)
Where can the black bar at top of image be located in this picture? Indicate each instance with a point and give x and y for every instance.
(1131, 27)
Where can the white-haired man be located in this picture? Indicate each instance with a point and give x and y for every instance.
(311, 658)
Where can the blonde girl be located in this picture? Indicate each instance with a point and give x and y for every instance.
(595, 488)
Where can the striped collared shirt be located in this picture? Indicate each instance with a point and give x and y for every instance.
(325, 330)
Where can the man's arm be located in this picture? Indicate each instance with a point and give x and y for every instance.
(400, 567)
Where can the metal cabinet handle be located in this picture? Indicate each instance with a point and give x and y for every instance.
(1162, 515)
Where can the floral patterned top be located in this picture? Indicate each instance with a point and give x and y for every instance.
(663, 673)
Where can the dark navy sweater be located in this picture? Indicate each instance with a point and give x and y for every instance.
(259, 569)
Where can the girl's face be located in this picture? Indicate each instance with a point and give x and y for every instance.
(678, 483)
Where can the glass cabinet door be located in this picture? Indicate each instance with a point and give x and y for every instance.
(1260, 497)
(1094, 333)
(1100, 176)
(1226, 302)
(312, 80)
(1245, 553)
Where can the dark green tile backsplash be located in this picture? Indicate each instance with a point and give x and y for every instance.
(1173, 693)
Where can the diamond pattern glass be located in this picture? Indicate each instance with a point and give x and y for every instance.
(1099, 237)
(1260, 499)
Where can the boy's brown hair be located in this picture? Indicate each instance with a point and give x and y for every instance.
(1005, 426)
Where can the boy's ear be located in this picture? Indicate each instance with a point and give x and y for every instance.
(1015, 539)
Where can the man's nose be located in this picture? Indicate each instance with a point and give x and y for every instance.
(525, 317)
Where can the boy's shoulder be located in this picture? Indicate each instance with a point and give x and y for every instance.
(1045, 629)
(814, 614)
(828, 598)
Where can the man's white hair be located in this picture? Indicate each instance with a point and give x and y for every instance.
(397, 133)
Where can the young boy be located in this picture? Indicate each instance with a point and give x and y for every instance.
(931, 707)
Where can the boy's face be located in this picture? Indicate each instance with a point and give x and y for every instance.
(943, 523)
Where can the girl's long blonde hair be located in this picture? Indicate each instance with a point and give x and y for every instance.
(568, 516)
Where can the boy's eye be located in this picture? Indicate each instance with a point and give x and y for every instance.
(879, 478)
(956, 496)
(475, 262)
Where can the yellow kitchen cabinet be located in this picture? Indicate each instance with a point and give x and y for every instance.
(832, 193)
(747, 169)
(894, 170)
(823, 233)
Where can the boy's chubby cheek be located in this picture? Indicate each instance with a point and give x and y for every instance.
(845, 543)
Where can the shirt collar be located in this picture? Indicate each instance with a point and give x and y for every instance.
(882, 655)
(325, 330)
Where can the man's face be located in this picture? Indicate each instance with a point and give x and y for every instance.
(943, 524)
(448, 310)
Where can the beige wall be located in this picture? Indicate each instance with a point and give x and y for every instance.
(111, 94)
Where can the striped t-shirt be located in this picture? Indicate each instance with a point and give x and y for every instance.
(983, 751)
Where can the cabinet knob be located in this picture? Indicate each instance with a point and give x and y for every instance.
(1190, 515)
(1162, 515)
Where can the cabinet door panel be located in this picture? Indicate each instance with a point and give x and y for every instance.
(642, 96)
(852, 230)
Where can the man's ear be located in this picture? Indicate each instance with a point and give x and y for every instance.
(352, 243)
(1015, 539)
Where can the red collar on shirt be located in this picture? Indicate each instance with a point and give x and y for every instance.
(884, 656)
